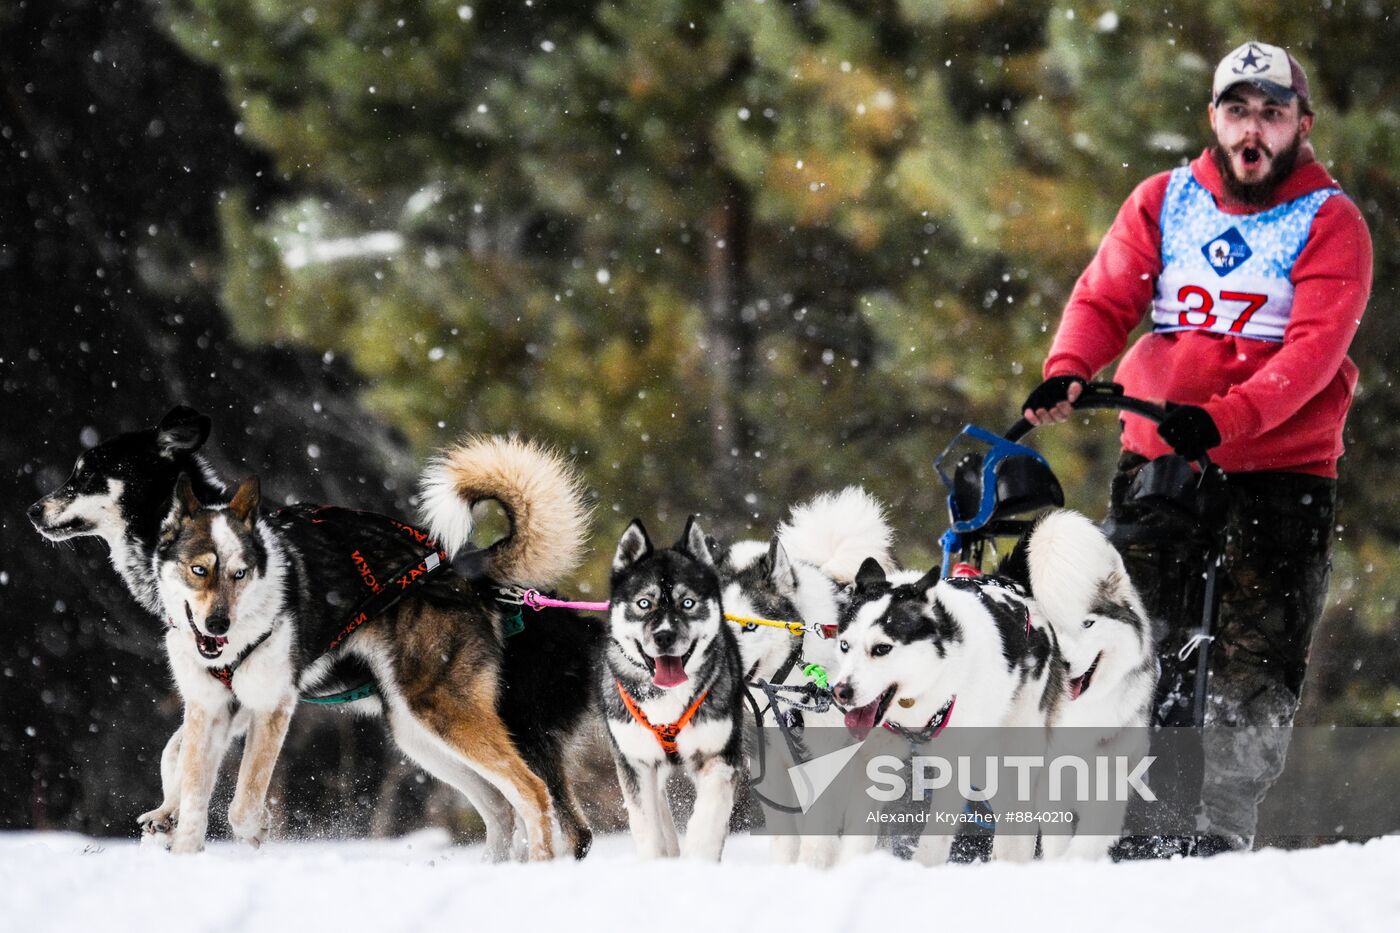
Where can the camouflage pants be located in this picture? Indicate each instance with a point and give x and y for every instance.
(1272, 583)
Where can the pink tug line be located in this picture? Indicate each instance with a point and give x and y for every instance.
(538, 601)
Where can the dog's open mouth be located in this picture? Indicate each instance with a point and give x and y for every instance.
(61, 531)
(1077, 685)
(668, 670)
(862, 719)
(209, 646)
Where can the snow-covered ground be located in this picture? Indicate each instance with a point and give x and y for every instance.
(61, 882)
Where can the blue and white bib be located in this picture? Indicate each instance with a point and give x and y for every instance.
(1228, 273)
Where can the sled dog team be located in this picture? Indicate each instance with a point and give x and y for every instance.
(263, 607)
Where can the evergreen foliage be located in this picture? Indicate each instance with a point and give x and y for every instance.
(732, 254)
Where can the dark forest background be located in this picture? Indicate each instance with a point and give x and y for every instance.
(727, 255)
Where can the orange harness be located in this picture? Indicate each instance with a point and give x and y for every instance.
(667, 732)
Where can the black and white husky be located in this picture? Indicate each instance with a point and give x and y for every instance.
(931, 653)
(921, 653)
(120, 491)
(800, 575)
(1106, 636)
(1108, 642)
(672, 691)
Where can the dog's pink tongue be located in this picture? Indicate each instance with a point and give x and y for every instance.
(860, 721)
(670, 671)
(1076, 686)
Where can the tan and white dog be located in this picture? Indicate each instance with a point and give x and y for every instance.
(252, 629)
(121, 491)
(217, 566)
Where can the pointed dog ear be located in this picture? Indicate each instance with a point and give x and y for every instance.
(182, 430)
(185, 495)
(693, 543)
(183, 504)
(780, 569)
(929, 580)
(244, 505)
(719, 551)
(870, 574)
(633, 546)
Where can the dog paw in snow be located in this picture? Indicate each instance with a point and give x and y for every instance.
(252, 826)
(158, 822)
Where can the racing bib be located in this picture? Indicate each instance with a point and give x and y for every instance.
(1228, 273)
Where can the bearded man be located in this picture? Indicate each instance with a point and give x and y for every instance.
(1256, 270)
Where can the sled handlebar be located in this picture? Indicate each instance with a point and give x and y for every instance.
(1105, 395)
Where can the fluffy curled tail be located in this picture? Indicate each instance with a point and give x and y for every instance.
(837, 531)
(542, 496)
(1076, 573)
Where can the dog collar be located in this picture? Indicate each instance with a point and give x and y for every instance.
(224, 675)
(931, 729)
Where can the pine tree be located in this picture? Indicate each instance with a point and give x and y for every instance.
(734, 254)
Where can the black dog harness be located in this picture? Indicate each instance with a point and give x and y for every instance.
(359, 564)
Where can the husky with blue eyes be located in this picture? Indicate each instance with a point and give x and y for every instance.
(922, 653)
(799, 575)
(673, 691)
(1058, 638)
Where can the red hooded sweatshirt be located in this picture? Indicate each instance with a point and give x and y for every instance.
(1278, 406)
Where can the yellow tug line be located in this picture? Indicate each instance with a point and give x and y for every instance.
(794, 628)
